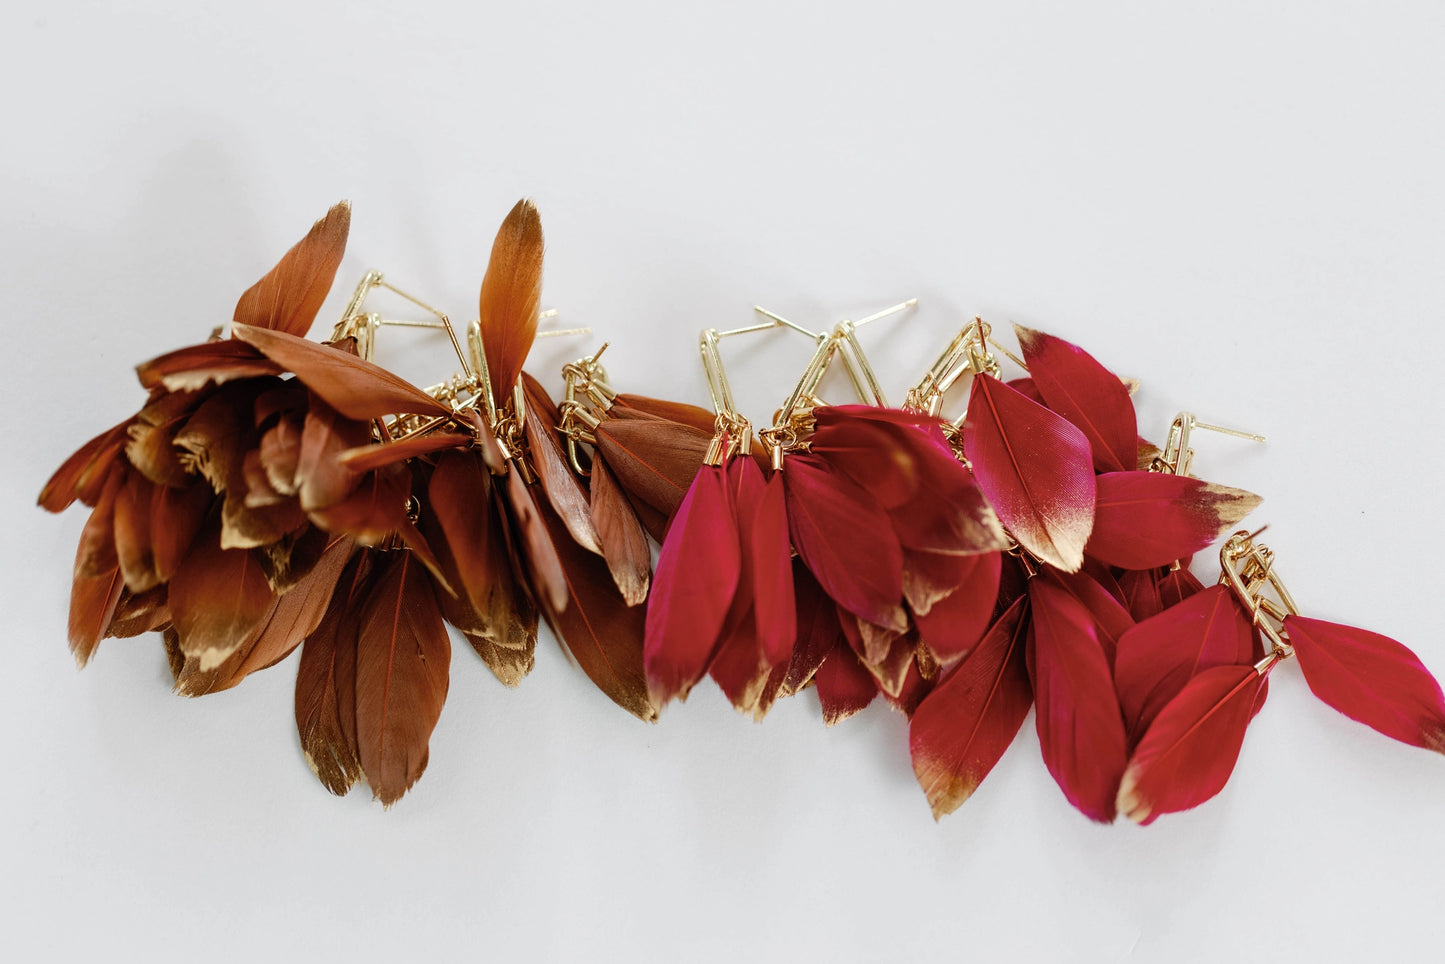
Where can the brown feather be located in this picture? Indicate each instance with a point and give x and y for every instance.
(402, 659)
(63, 488)
(291, 293)
(194, 367)
(374, 511)
(558, 481)
(364, 458)
(217, 597)
(326, 683)
(511, 294)
(321, 478)
(292, 617)
(150, 437)
(96, 553)
(603, 633)
(138, 613)
(176, 516)
(280, 453)
(93, 601)
(539, 547)
(624, 544)
(509, 665)
(355, 388)
(215, 439)
(699, 418)
(287, 561)
(655, 461)
(133, 512)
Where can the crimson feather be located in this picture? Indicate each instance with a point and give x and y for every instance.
(963, 727)
(1080, 729)
(1035, 469)
(1086, 393)
(1190, 749)
(1371, 679)
(1148, 519)
(844, 684)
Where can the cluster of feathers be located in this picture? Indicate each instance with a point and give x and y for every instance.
(1027, 558)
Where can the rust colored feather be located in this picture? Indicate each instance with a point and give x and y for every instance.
(326, 683)
(511, 294)
(701, 419)
(177, 515)
(1148, 519)
(291, 293)
(320, 478)
(604, 634)
(558, 482)
(624, 543)
(355, 388)
(96, 553)
(461, 500)
(1035, 468)
(963, 727)
(365, 458)
(133, 503)
(194, 367)
(697, 576)
(655, 461)
(1081, 732)
(293, 617)
(539, 549)
(280, 454)
(93, 601)
(509, 665)
(1073, 384)
(403, 654)
(375, 510)
(93, 459)
(138, 613)
(217, 597)
(1372, 679)
(1190, 749)
(1159, 656)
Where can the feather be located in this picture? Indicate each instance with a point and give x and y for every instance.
(697, 575)
(556, 477)
(1157, 657)
(539, 549)
(355, 388)
(132, 527)
(151, 434)
(1086, 393)
(177, 515)
(460, 498)
(1141, 593)
(953, 624)
(1148, 519)
(320, 478)
(280, 453)
(816, 635)
(699, 418)
(509, 665)
(326, 683)
(365, 458)
(624, 543)
(1177, 585)
(96, 553)
(511, 294)
(217, 597)
(963, 727)
(214, 440)
(1080, 730)
(654, 461)
(1190, 749)
(293, 616)
(291, 293)
(844, 685)
(846, 540)
(602, 632)
(93, 601)
(1111, 619)
(92, 459)
(402, 658)
(138, 613)
(1035, 469)
(1370, 678)
(375, 510)
(194, 367)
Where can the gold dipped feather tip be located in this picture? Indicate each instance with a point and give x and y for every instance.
(510, 297)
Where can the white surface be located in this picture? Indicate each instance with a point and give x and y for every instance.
(1243, 207)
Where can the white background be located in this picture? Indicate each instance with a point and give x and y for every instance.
(1239, 203)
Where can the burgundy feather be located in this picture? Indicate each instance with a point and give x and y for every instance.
(1160, 655)
(1190, 749)
(953, 624)
(844, 685)
(1035, 469)
(692, 590)
(1148, 519)
(846, 540)
(1371, 679)
(963, 727)
(1080, 729)
(1086, 393)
